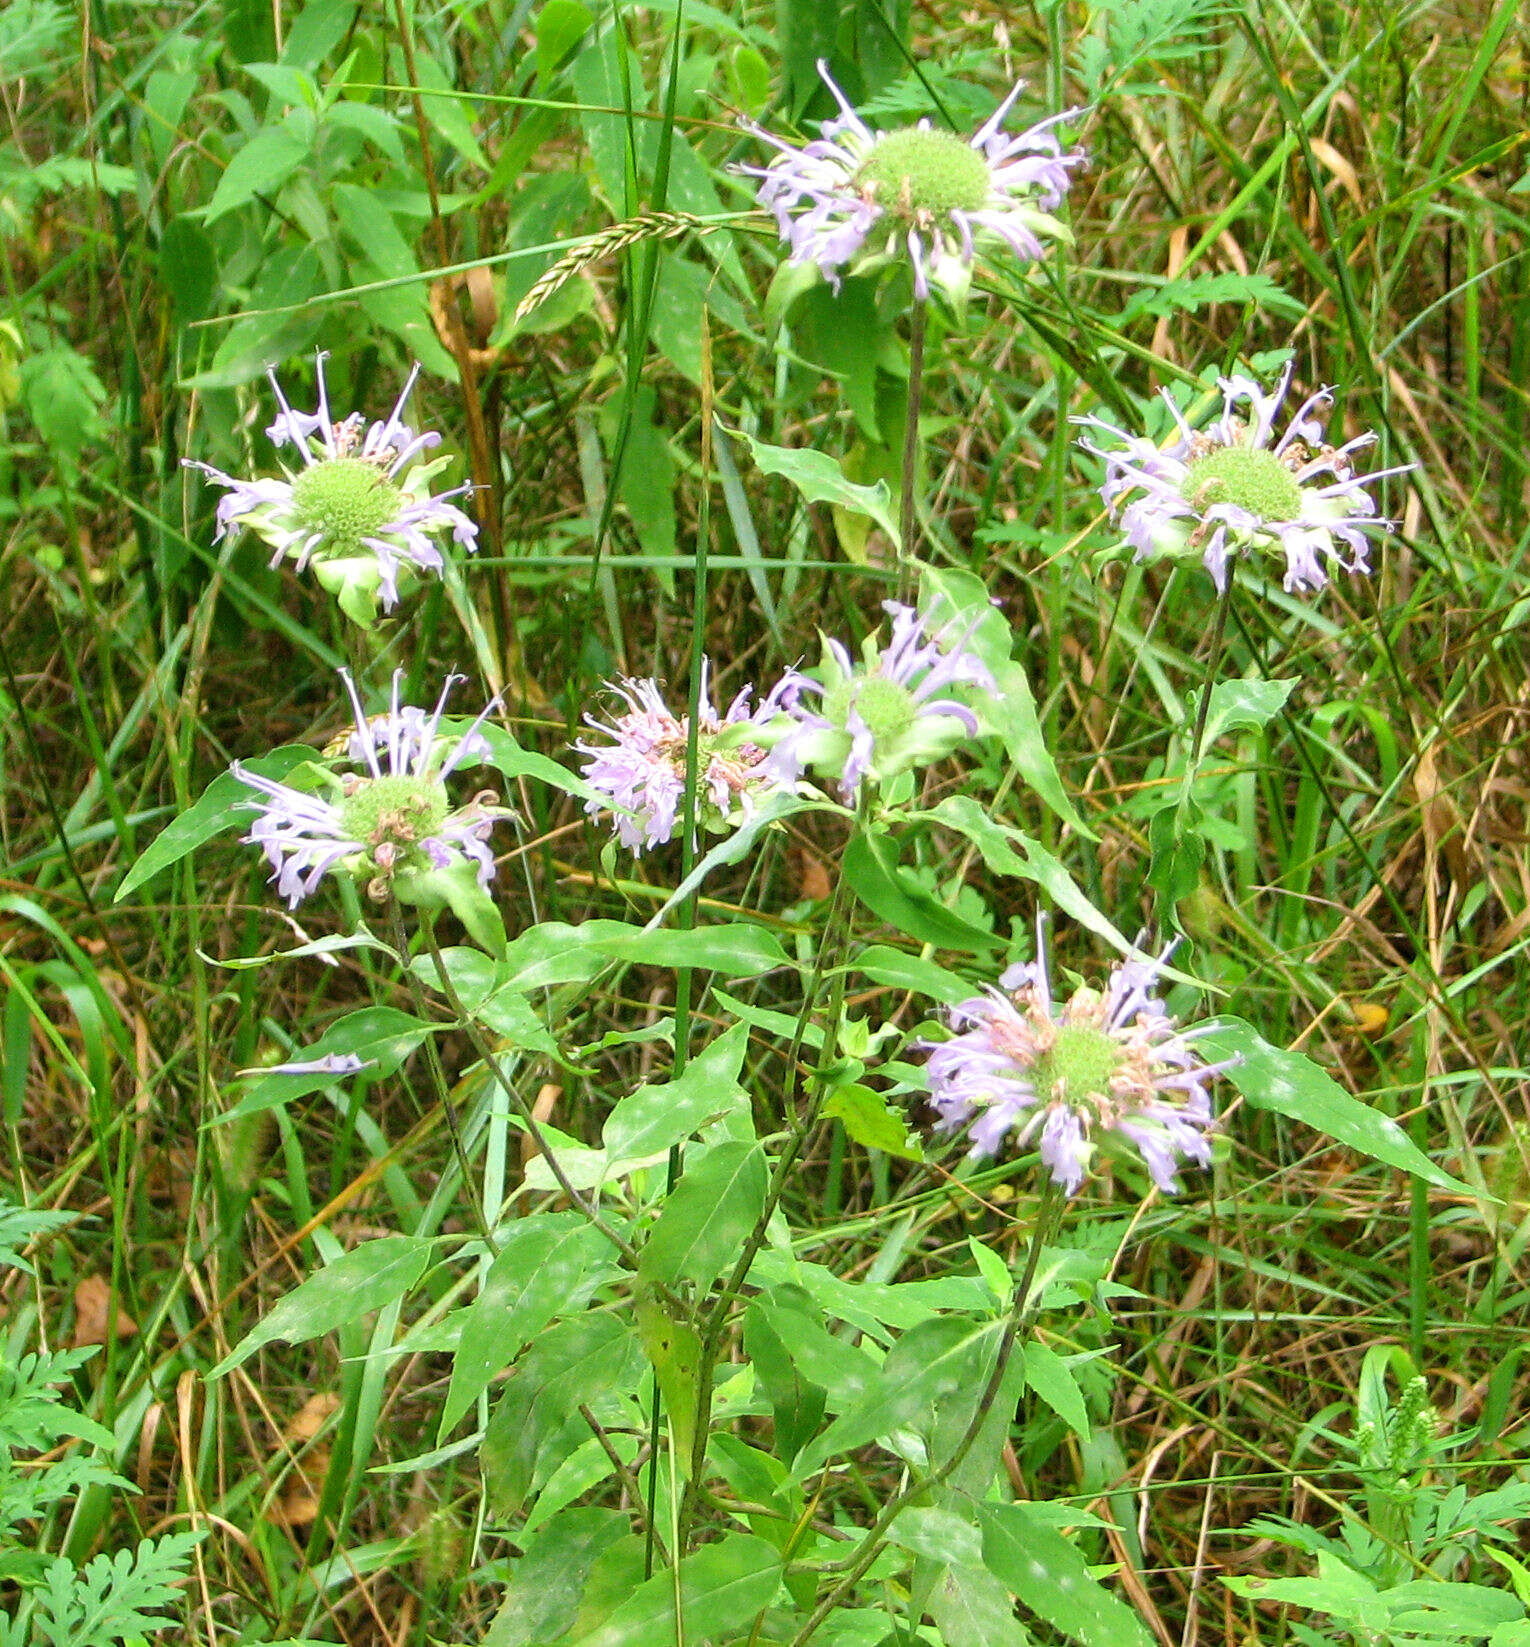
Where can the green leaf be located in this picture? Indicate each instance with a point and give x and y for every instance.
(188, 267)
(567, 1366)
(707, 1215)
(664, 1112)
(560, 26)
(220, 807)
(319, 28)
(546, 1583)
(63, 397)
(957, 604)
(796, 1402)
(1178, 843)
(938, 1535)
(723, 1587)
(274, 324)
(930, 1365)
(898, 970)
(872, 1122)
(870, 865)
(548, 1264)
(738, 949)
(258, 167)
(1242, 704)
(1053, 1580)
(1009, 851)
(819, 478)
(646, 485)
(446, 110)
(1051, 1378)
(674, 1352)
(971, 1609)
(1012, 714)
(1291, 1084)
(367, 1278)
(382, 1037)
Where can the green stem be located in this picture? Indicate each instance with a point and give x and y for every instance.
(908, 526)
(1203, 708)
(437, 1073)
(690, 829)
(529, 1121)
(1048, 1212)
(800, 1124)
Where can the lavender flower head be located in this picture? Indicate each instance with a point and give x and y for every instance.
(859, 199)
(884, 715)
(391, 825)
(1233, 486)
(1098, 1069)
(641, 770)
(359, 509)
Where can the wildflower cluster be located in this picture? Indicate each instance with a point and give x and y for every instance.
(1233, 486)
(859, 200)
(640, 770)
(1100, 1067)
(390, 826)
(359, 510)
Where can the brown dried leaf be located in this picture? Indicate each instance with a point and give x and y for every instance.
(310, 1418)
(811, 876)
(92, 1299)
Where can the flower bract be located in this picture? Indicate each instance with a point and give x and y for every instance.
(1236, 486)
(857, 199)
(1101, 1067)
(391, 824)
(359, 509)
(886, 713)
(641, 769)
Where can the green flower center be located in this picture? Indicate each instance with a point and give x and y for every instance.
(1255, 480)
(887, 709)
(346, 499)
(922, 171)
(1082, 1059)
(396, 810)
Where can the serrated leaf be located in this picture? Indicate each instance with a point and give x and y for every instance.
(567, 1366)
(868, 1118)
(971, 1609)
(663, 1112)
(707, 1215)
(723, 1586)
(1051, 1378)
(928, 1366)
(547, 1264)
(819, 478)
(938, 1535)
(546, 1583)
(365, 1279)
(1291, 1084)
(259, 167)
